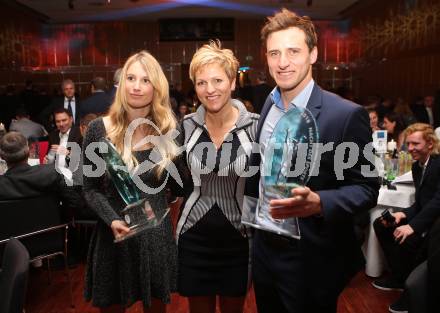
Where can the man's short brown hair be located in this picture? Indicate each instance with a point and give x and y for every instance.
(99, 83)
(285, 19)
(14, 148)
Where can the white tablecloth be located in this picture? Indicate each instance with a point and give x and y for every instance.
(398, 199)
(33, 162)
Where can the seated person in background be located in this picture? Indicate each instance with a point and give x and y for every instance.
(183, 110)
(393, 124)
(374, 120)
(25, 126)
(22, 180)
(403, 241)
(59, 138)
(402, 108)
(248, 105)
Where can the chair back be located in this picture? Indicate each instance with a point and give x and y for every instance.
(32, 215)
(13, 277)
(43, 148)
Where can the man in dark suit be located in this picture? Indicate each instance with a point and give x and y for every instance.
(69, 102)
(99, 102)
(308, 274)
(22, 180)
(59, 138)
(403, 241)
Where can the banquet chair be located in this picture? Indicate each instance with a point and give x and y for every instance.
(13, 277)
(37, 223)
(83, 230)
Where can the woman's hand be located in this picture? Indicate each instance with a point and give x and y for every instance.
(119, 228)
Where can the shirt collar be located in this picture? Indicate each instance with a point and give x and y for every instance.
(67, 133)
(300, 100)
(423, 166)
(67, 99)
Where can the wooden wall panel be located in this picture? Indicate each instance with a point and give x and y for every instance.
(405, 67)
(406, 77)
(49, 53)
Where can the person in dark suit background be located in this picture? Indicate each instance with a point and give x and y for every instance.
(22, 180)
(307, 275)
(68, 101)
(112, 91)
(260, 92)
(59, 138)
(24, 125)
(403, 241)
(99, 102)
(427, 112)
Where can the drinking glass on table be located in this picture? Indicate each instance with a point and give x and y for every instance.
(391, 169)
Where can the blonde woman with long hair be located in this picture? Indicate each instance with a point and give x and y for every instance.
(142, 268)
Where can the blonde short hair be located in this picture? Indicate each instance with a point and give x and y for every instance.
(428, 135)
(213, 53)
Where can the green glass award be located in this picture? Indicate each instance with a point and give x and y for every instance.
(288, 161)
(138, 214)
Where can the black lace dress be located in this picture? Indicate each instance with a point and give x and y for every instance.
(139, 268)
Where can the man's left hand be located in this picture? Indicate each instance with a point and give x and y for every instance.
(402, 232)
(303, 203)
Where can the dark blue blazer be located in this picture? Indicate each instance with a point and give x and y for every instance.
(328, 242)
(98, 103)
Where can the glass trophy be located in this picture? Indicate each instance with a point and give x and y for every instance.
(288, 160)
(138, 213)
